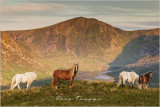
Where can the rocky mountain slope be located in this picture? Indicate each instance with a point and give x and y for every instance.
(77, 37)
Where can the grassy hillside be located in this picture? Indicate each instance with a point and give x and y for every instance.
(104, 94)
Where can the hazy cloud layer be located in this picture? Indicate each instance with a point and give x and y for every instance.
(29, 14)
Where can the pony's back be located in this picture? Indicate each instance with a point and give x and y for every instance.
(31, 75)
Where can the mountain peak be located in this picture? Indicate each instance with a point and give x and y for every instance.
(80, 20)
(84, 18)
(82, 24)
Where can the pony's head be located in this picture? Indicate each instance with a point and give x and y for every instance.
(35, 77)
(149, 74)
(76, 67)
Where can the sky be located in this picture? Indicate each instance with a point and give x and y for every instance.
(124, 14)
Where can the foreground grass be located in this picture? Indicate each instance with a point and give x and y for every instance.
(103, 94)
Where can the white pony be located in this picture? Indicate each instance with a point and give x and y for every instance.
(27, 77)
(129, 77)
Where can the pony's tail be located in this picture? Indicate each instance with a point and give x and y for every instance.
(120, 80)
(13, 81)
(53, 80)
(140, 82)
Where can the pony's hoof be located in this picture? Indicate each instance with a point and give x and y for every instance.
(55, 88)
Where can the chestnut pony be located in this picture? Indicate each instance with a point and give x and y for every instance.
(144, 79)
(64, 75)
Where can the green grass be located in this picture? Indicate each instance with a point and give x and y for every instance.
(108, 94)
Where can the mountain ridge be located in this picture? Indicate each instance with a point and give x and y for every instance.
(65, 32)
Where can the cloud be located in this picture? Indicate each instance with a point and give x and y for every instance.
(130, 22)
(118, 9)
(31, 22)
(134, 26)
(36, 14)
(33, 7)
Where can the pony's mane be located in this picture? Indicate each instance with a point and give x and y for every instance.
(71, 68)
(147, 74)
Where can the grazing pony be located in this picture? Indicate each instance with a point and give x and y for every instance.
(64, 75)
(144, 79)
(129, 77)
(27, 77)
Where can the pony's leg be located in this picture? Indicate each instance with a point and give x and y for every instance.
(132, 84)
(122, 84)
(140, 86)
(15, 85)
(70, 83)
(55, 81)
(11, 87)
(19, 87)
(146, 86)
(124, 81)
(28, 84)
(119, 82)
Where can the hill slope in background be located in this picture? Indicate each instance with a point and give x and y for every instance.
(85, 40)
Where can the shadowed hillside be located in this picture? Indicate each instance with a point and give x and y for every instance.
(137, 49)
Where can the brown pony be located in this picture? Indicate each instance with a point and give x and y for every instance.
(64, 75)
(144, 79)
